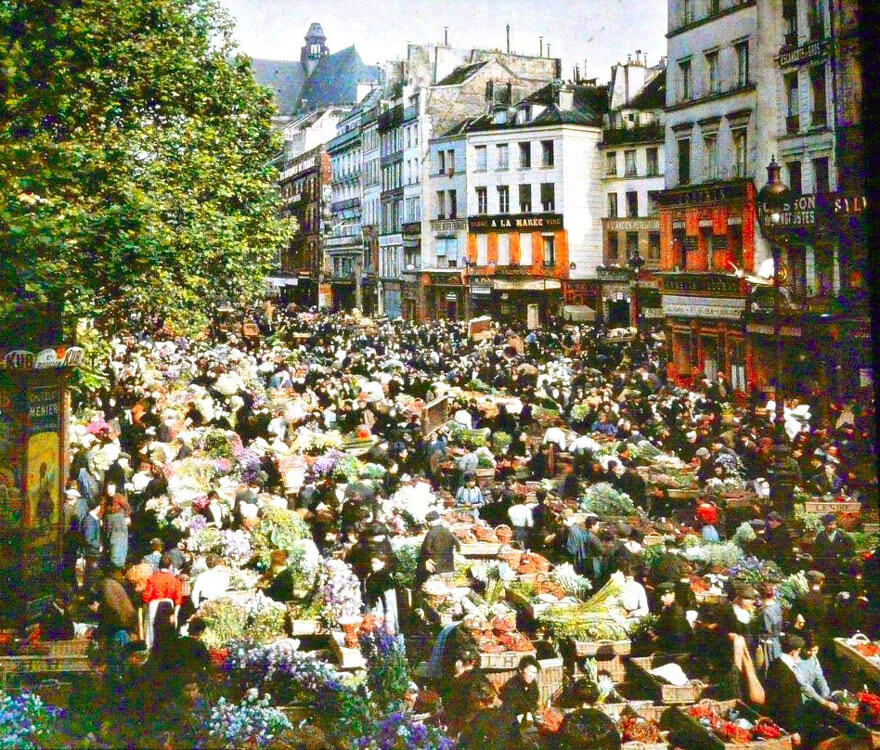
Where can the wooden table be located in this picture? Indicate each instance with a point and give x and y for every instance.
(870, 667)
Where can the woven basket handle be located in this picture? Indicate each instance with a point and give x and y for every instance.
(858, 638)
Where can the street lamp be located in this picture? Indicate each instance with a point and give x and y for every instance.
(635, 262)
(773, 201)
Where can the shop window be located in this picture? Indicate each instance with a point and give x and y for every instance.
(503, 249)
(737, 365)
(735, 244)
(653, 245)
(613, 247)
(525, 249)
(549, 242)
(710, 356)
(482, 249)
(680, 248)
(681, 353)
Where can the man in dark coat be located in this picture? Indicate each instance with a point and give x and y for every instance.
(437, 552)
(783, 689)
(778, 541)
(672, 628)
(832, 548)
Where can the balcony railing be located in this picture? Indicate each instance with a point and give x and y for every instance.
(791, 40)
(819, 118)
(792, 124)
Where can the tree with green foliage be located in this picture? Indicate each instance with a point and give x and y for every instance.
(135, 160)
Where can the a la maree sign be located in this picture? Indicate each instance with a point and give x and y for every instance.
(515, 223)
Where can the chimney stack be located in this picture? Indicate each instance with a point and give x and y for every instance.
(548, 49)
(446, 36)
(540, 46)
(508, 39)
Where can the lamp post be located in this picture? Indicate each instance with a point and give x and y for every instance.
(773, 201)
(635, 262)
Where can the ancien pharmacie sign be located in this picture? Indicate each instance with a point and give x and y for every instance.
(515, 223)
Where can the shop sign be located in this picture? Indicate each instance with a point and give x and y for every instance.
(528, 285)
(652, 312)
(481, 290)
(800, 212)
(769, 330)
(448, 225)
(515, 223)
(802, 54)
(631, 225)
(612, 291)
(390, 240)
(604, 273)
(704, 196)
(808, 211)
(703, 307)
(46, 359)
(450, 296)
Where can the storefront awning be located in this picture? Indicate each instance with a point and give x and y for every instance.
(578, 313)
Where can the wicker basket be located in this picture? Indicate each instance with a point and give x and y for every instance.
(503, 660)
(689, 732)
(510, 556)
(663, 692)
(602, 649)
(550, 679)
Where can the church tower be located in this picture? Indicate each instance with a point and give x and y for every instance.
(314, 48)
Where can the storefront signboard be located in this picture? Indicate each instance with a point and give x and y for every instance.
(515, 223)
(719, 308)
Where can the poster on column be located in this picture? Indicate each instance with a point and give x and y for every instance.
(43, 459)
(10, 493)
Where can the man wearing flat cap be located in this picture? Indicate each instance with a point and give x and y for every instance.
(777, 539)
(672, 630)
(832, 548)
(784, 689)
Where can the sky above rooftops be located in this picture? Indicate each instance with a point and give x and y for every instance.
(600, 32)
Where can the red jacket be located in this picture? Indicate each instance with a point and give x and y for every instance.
(707, 513)
(163, 585)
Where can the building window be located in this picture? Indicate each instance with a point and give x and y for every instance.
(632, 204)
(816, 20)
(480, 154)
(548, 197)
(653, 245)
(482, 201)
(525, 249)
(712, 69)
(821, 177)
(613, 246)
(710, 144)
(503, 199)
(714, 7)
(546, 153)
(503, 249)
(549, 250)
(612, 205)
(795, 182)
(525, 199)
(740, 153)
(742, 64)
(653, 202)
(525, 155)
(817, 84)
(501, 156)
(611, 164)
(482, 249)
(453, 204)
(653, 162)
(684, 161)
(790, 24)
(441, 204)
(632, 243)
(687, 91)
(688, 8)
(450, 161)
(792, 103)
(629, 161)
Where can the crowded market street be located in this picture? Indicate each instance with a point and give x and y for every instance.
(340, 529)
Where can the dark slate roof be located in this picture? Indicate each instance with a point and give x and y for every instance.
(653, 96)
(285, 78)
(461, 73)
(333, 81)
(590, 103)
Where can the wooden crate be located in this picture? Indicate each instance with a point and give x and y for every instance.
(870, 667)
(347, 658)
(72, 647)
(550, 678)
(641, 667)
(602, 649)
(689, 732)
(305, 627)
(503, 660)
(850, 728)
(682, 495)
(646, 710)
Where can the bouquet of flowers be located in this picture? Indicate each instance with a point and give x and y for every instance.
(279, 528)
(248, 464)
(202, 538)
(266, 618)
(251, 723)
(235, 546)
(603, 500)
(725, 555)
(226, 621)
(348, 468)
(400, 731)
(579, 412)
(387, 668)
(26, 723)
(792, 589)
(217, 444)
(340, 591)
(326, 464)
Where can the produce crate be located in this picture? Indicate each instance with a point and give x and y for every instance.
(688, 732)
(646, 710)
(820, 507)
(347, 658)
(683, 495)
(641, 667)
(651, 540)
(869, 666)
(42, 664)
(602, 649)
(550, 678)
(503, 660)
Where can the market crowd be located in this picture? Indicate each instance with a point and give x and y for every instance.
(223, 487)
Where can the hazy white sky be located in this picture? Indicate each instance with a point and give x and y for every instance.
(601, 32)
